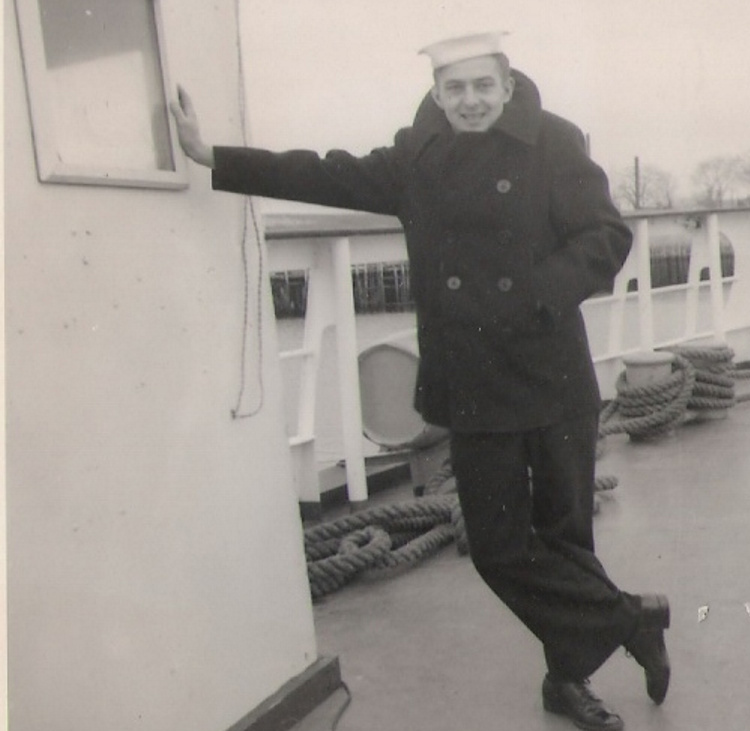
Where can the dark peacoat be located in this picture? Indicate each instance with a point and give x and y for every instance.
(508, 232)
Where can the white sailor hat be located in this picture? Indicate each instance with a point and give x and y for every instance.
(452, 50)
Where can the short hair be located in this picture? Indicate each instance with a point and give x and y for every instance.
(502, 62)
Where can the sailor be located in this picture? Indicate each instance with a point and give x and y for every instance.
(509, 227)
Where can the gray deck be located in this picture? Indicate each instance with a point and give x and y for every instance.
(433, 648)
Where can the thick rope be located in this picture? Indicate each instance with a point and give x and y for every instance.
(740, 373)
(411, 553)
(382, 515)
(703, 379)
(377, 542)
(357, 552)
(714, 384)
(651, 410)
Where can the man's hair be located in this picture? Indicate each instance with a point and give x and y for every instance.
(502, 62)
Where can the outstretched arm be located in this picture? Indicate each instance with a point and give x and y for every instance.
(370, 183)
(188, 130)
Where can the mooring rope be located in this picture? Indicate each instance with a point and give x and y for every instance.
(740, 374)
(714, 385)
(415, 550)
(703, 380)
(650, 410)
(377, 542)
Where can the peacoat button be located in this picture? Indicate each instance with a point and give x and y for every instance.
(454, 283)
(503, 186)
(505, 284)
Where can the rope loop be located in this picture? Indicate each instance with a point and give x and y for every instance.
(377, 542)
(650, 410)
(714, 388)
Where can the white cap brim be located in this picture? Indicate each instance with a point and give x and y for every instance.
(462, 48)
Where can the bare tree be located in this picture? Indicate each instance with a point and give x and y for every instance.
(716, 178)
(744, 167)
(644, 186)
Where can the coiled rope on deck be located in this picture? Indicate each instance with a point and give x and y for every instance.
(741, 373)
(714, 387)
(703, 380)
(377, 542)
(650, 410)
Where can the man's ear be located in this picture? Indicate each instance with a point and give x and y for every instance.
(436, 96)
(510, 86)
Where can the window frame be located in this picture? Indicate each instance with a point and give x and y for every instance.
(50, 167)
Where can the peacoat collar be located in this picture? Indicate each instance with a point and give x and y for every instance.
(521, 117)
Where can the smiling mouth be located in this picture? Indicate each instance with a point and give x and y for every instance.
(473, 118)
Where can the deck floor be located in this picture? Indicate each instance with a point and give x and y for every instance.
(433, 649)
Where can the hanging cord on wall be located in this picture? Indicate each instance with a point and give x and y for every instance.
(253, 287)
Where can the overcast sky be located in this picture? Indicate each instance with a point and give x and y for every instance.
(667, 80)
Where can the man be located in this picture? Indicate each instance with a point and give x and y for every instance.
(509, 227)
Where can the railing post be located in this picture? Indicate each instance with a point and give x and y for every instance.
(716, 280)
(346, 346)
(694, 280)
(617, 310)
(302, 443)
(645, 298)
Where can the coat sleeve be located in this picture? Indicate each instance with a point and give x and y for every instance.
(370, 183)
(594, 240)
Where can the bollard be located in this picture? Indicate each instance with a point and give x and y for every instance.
(643, 369)
(649, 368)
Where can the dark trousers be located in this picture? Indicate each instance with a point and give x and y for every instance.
(527, 501)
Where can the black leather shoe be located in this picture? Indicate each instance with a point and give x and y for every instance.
(580, 705)
(648, 648)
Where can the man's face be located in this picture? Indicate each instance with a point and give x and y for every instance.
(472, 93)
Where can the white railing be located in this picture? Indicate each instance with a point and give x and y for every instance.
(329, 302)
(629, 319)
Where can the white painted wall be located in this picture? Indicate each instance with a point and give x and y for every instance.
(156, 576)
